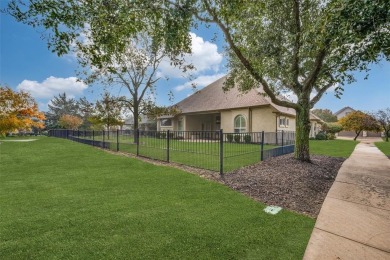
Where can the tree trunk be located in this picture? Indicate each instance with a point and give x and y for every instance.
(302, 133)
(387, 133)
(357, 134)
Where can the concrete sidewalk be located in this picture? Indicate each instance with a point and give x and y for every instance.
(354, 221)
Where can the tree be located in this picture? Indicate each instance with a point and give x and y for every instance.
(60, 105)
(85, 111)
(108, 112)
(325, 114)
(358, 121)
(18, 111)
(299, 47)
(383, 118)
(332, 128)
(70, 122)
(134, 69)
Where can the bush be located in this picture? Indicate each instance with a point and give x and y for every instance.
(237, 138)
(330, 136)
(247, 139)
(229, 137)
(332, 128)
(321, 136)
(161, 135)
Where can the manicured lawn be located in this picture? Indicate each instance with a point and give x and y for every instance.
(334, 148)
(384, 147)
(201, 153)
(62, 199)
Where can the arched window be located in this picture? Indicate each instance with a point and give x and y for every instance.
(239, 124)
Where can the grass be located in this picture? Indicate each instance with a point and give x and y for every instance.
(201, 153)
(384, 147)
(62, 199)
(333, 148)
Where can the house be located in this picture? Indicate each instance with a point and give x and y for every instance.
(145, 123)
(345, 111)
(212, 109)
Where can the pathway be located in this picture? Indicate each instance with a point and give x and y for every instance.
(354, 221)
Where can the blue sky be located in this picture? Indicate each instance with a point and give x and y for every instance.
(27, 64)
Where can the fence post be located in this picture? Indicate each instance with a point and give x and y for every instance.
(67, 134)
(262, 147)
(137, 140)
(103, 138)
(282, 137)
(168, 139)
(93, 137)
(117, 140)
(221, 152)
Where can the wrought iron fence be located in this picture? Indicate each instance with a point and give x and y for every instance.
(213, 150)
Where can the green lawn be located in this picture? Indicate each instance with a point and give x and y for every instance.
(202, 153)
(384, 147)
(62, 199)
(334, 148)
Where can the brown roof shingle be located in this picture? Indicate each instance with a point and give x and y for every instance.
(213, 98)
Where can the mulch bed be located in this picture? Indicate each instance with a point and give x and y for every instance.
(280, 181)
(286, 182)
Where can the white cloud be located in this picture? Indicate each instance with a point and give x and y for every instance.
(199, 82)
(204, 57)
(53, 86)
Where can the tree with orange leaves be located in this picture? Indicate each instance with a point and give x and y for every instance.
(18, 110)
(70, 122)
(358, 121)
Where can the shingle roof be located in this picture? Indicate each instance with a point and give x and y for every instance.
(344, 108)
(213, 98)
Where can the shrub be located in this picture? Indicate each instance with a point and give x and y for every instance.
(247, 139)
(332, 128)
(161, 135)
(330, 136)
(229, 137)
(237, 138)
(321, 136)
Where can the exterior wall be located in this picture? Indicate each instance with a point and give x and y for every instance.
(202, 122)
(315, 128)
(291, 125)
(344, 113)
(227, 119)
(263, 119)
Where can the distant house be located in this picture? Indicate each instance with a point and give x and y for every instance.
(345, 111)
(212, 109)
(145, 123)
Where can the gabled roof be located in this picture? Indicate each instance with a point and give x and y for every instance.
(341, 110)
(213, 98)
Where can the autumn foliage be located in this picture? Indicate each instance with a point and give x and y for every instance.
(358, 121)
(18, 111)
(70, 122)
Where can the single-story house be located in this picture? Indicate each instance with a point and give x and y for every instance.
(212, 109)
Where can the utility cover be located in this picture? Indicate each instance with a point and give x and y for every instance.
(272, 210)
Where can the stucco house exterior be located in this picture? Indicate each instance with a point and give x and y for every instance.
(343, 112)
(212, 109)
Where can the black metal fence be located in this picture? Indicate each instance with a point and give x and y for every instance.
(213, 150)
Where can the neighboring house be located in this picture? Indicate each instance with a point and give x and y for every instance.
(145, 123)
(345, 111)
(212, 109)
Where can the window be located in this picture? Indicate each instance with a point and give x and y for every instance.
(239, 124)
(166, 122)
(284, 122)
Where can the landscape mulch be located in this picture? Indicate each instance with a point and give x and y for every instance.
(280, 181)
